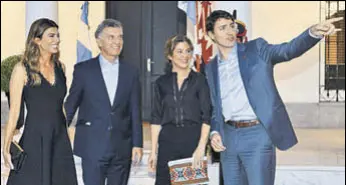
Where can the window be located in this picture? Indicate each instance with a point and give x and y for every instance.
(332, 63)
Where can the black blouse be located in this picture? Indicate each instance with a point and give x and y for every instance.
(190, 104)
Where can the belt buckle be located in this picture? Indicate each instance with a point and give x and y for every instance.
(236, 124)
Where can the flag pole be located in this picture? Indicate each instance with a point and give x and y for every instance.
(198, 58)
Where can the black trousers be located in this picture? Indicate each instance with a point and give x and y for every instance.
(175, 143)
(109, 169)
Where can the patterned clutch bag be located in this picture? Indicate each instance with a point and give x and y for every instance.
(182, 173)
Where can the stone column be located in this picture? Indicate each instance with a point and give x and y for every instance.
(40, 9)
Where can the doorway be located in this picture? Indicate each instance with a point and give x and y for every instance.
(146, 26)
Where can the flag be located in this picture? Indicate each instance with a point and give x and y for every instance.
(197, 13)
(83, 41)
(204, 10)
(189, 7)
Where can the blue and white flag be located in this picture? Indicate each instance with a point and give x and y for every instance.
(83, 41)
(189, 7)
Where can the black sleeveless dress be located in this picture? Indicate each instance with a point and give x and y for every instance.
(49, 154)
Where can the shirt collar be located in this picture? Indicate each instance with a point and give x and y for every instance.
(231, 55)
(105, 63)
(192, 72)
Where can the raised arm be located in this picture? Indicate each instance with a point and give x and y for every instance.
(277, 53)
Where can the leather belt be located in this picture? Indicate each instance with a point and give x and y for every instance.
(242, 124)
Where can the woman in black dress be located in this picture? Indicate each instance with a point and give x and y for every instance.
(181, 111)
(40, 78)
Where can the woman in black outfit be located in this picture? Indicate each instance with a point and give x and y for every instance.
(181, 111)
(40, 78)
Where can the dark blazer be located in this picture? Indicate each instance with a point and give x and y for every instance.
(256, 62)
(100, 125)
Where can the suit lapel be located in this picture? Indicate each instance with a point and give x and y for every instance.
(121, 78)
(215, 72)
(100, 82)
(243, 62)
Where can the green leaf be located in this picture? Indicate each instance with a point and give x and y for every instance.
(7, 66)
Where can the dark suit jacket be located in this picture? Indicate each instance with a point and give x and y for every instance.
(100, 125)
(256, 61)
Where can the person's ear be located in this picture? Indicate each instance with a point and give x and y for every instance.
(169, 57)
(98, 42)
(211, 35)
(37, 41)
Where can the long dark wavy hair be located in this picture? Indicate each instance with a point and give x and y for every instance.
(170, 45)
(32, 51)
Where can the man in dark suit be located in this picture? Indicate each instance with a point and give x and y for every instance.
(249, 118)
(107, 92)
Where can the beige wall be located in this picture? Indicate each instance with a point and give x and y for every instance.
(279, 22)
(69, 17)
(13, 29)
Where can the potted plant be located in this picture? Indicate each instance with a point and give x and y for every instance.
(7, 66)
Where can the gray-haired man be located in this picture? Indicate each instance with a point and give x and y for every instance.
(108, 129)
